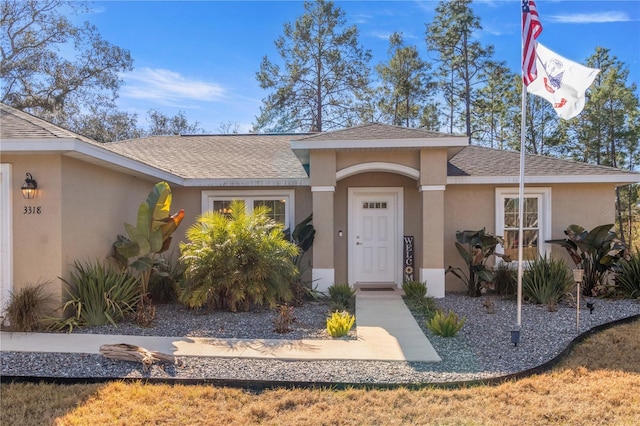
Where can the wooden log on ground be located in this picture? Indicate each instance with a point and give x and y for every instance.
(127, 352)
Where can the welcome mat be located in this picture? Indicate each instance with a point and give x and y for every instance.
(377, 289)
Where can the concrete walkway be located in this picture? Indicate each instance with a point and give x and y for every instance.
(386, 331)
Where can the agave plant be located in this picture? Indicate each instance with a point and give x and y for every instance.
(597, 252)
(475, 247)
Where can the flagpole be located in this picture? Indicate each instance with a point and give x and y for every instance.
(521, 204)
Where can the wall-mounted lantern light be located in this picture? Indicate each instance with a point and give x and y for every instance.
(29, 187)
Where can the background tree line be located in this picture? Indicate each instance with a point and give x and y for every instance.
(323, 79)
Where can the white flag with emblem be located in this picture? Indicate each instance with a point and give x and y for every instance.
(562, 82)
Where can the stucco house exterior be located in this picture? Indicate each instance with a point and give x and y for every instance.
(386, 200)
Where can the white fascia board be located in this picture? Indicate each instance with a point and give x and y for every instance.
(77, 148)
(621, 179)
(245, 182)
(26, 146)
(447, 142)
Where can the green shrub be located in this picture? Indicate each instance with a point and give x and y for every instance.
(414, 290)
(628, 277)
(547, 281)
(235, 260)
(415, 296)
(445, 325)
(28, 308)
(98, 295)
(505, 280)
(341, 297)
(164, 280)
(339, 323)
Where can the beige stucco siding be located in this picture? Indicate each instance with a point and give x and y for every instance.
(96, 202)
(37, 245)
(472, 207)
(350, 158)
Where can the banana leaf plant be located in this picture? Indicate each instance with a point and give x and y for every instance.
(597, 252)
(475, 247)
(150, 236)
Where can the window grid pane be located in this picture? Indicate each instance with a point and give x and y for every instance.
(531, 230)
(277, 209)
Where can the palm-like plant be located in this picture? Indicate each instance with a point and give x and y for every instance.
(596, 251)
(475, 247)
(237, 259)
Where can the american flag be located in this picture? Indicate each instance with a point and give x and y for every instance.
(531, 29)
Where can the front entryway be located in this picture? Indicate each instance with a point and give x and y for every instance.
(375, 235)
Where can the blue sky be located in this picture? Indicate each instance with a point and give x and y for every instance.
(201, 57)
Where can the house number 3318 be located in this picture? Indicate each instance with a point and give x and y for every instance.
(32, 210)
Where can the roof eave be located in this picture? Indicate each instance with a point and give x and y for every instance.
(230, 182)
(618, 179)
(87, 152)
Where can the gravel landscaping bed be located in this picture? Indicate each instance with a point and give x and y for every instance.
(481, 350)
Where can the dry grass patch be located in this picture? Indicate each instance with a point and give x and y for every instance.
(598, 384)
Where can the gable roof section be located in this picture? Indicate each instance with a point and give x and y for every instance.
(479, 165)
(374, 136)
(23, 133)
(21, 126)
(228, 160)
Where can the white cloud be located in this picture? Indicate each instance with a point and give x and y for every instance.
(591, 18)
(168, 87)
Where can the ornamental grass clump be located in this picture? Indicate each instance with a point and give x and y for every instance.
(339, 323)
(28, 307)
(445, 325)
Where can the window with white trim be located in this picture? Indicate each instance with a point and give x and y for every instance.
(279, 202)
(536, 225)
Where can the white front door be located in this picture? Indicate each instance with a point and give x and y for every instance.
(375, 241)
(6, 250)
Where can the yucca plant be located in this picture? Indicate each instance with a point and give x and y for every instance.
(445, 325)
(98, 295)
(628, 277)
(547, 281)
(233, 261)
(341, 297)
(28, 308)
(339, 324)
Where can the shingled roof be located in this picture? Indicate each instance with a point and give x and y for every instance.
(251, 156)
(374, 131)
(20, 125)
(254, 159)
(477, 161)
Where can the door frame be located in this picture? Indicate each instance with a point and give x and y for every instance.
(398, 193)
(6, 236)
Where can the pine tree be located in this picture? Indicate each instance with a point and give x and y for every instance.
(325, 76)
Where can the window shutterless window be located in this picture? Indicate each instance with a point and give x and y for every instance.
(536, 221)
(280, 202)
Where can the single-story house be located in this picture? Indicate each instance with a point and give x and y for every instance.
(386, 200)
